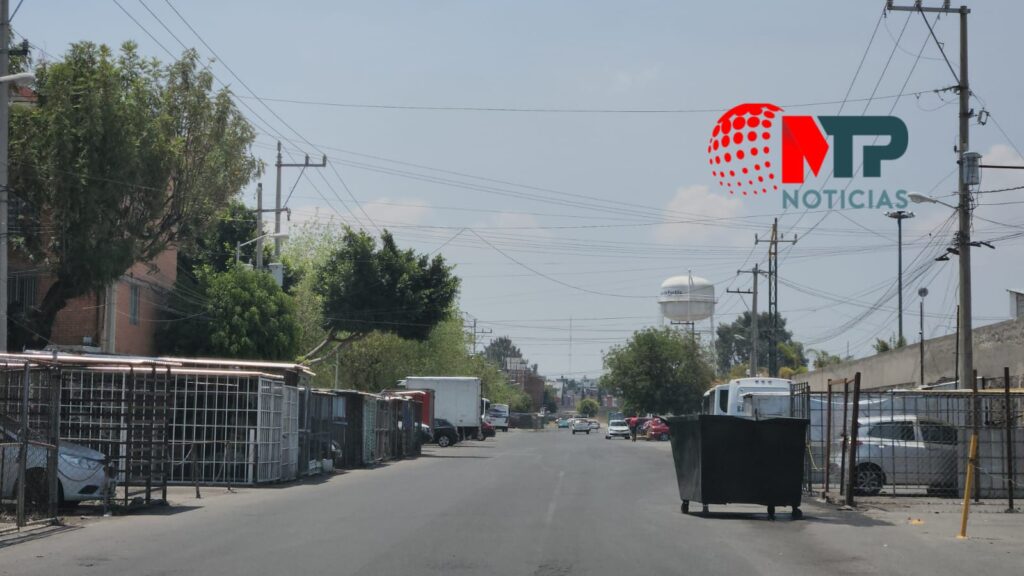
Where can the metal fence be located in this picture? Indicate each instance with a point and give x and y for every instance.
(231, 427)
(30, 488)
(912, 442)
(122, 413)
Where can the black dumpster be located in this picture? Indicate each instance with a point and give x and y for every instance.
(732, 460)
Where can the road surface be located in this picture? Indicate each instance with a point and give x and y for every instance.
(527, 503)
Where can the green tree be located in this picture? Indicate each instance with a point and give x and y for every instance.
(501, 348)
(551, 399)
(733, 343)
(588, 407)
(215, 247)
(823, 359)
(659, 370)
(365, 288)
(121, 158)
(892, 343)
(239, 313)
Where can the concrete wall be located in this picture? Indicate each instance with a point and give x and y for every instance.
(995, 346)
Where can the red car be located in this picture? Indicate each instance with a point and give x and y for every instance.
(656, 429)
(487, 430)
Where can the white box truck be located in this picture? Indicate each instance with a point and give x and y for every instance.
(456, 399)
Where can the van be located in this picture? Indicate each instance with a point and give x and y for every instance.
(727, 399)
(498, 416)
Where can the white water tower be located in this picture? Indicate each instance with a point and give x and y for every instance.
(687, 300)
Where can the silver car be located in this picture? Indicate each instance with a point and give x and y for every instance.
(903, 449)
(82, 472)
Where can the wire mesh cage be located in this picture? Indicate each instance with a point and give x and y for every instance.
(30, 484)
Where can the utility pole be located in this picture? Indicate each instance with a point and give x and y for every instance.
(773, 293)
(259, 229)
(922, 292)
(476, 332)
(277, 204)
(753, 317)
(5, 41)
(899, 216)
(965, 373)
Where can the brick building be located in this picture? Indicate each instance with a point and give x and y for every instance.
(121, 319)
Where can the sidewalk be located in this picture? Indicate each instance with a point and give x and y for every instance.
(939, 518)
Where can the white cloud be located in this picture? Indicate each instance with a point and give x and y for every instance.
(697, 202)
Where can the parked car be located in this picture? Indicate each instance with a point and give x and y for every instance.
(903, 449)
(562, 422)
(488, 429)
(594, 424)
(656, 429)
(426, 436)
(445, 433)
(580, 425)
(617, 428)
(82, 473)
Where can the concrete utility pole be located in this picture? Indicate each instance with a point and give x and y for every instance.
(753, 317)
(899, 216)
(277, 204)
(5, 41)
(965, 373)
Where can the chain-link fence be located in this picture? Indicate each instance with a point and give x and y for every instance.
(912, 442)
(30, 451)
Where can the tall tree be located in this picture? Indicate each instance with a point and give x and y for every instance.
(238, 313)
(121, 158)
(659, 370)
(499, 349)
(365, 288)
(733, 343)
(588, 407)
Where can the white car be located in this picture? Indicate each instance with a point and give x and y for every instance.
(82, 472)
(903, 449)
(579, 425)
(617, 428)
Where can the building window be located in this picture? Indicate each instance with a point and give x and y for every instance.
(21, 292)
(133, 315)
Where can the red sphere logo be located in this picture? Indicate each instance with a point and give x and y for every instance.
(740, 150)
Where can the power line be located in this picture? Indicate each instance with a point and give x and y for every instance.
(560, 110)
(271, 110)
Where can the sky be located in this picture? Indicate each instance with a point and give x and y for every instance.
(556, 151)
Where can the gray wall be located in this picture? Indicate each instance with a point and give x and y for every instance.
(995, 346)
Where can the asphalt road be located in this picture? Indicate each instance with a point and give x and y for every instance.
(527, 503)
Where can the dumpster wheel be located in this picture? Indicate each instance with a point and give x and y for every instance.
(685, 507)
(771, 511)
(797, 513)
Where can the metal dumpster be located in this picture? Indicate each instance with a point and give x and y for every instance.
(734, 460)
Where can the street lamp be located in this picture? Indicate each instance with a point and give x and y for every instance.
(922, 199)
(922, 292)
(238, 246)
(900, 216)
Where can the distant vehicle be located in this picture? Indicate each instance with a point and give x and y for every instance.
(727, 399)
(445, 433)
(903, 449)
(488, 430)
(82, 473)
(562, 422)
(579, 425)
(456, 399)
(498, 416)
(656, 429)
(594, 424)
(617, 428)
